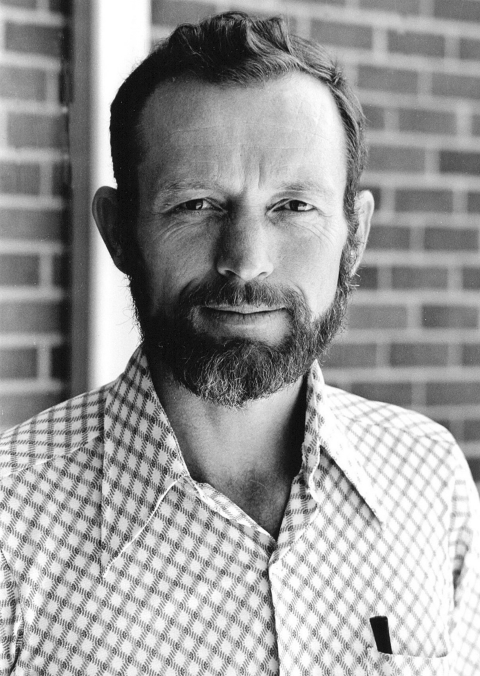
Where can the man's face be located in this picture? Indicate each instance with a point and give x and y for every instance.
(241, 229)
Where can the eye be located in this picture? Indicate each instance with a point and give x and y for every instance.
(194, 205)
(297, 205)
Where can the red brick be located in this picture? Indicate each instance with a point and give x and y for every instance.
(409, 277)
(18, 363)
(61, 270)
(461, 10)
(424, 200)
(15, 408)
(64, 91)
(342, 34)
(471, 354)
(404, 7)
(456, 86)
(476, 125)
(471, 278)
(173, 12)
(32, 317)
(19, 178)
(474, 464)
(389, 237)
(368, 277)
(387, 79)
(424, 44)
(452, 393)
(450, 317)
(62, 6)
(450, 239)
(169, 11)
(473, 206)
(472, 431)
(17, 269)
(457, 162)
(398, 393)
(470, 49)
(363, 316)
(31, 224)
(27, 4)
(60, 366)
(426, 121)
(61, 179)
(22, 83)
(33, 38)
(326, 2)
(418, 354)
(36, 131)
(352, 355)
(375, 116)
(394, 158)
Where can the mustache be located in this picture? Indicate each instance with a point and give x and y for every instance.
(254, 293)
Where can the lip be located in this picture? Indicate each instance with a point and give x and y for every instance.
(231, 319)
(242, 309)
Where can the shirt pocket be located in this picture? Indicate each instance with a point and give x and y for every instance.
(380, 664)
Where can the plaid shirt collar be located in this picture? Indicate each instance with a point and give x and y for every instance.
(142, 456)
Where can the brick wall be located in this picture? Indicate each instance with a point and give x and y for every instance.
(33, 218)
(413, 336)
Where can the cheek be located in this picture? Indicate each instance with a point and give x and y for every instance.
(312, 265)
(172, 262)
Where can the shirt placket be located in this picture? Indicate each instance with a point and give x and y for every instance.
(301, 511)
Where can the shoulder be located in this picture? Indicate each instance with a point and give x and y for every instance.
(49, 466)
(414, 463)
(396, 442)
(365, 413)
(56, 432)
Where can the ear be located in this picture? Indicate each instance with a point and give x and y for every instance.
(365, 205)
(105, 213)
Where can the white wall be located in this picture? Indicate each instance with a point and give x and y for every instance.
(121, 38)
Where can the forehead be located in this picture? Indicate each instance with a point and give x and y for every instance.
(287, 126)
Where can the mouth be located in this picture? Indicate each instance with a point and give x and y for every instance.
(245, 310)
(245, 320)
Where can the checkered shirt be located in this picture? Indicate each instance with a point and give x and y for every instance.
(114, 561)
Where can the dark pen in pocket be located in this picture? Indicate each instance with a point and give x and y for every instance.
(381, 634)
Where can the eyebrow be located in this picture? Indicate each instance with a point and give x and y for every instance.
(302, 186)
(182, 184)
(168, 190)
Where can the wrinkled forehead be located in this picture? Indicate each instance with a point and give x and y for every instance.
(296, 100)
(286, 120)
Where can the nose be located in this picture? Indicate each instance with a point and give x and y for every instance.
(244, 249)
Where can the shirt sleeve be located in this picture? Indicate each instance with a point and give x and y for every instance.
(10, 619)
(465, 553)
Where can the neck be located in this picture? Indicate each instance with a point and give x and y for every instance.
(250, 454)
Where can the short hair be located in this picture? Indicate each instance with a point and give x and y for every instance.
(232, 48)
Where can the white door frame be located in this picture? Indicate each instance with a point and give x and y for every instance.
(110, 38)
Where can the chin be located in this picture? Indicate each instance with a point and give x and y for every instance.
(231, 361)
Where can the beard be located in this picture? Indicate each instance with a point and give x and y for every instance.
(233, 371)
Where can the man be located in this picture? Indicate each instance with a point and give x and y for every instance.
(218, 509)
